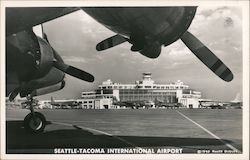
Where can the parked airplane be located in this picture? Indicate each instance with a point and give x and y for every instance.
(34, 68)
(135, 104)
(216, 104)
(63, 103)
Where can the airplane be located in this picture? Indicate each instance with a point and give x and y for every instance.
(236, 103)
(165, 104)
(63, 103)
(135, 104)
(220, 104)
(150, 28)
(34, 68)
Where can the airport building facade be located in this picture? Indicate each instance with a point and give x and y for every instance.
(145, 90)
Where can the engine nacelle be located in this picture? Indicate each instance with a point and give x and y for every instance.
(28, 56)
(49, 89)
(46, 84)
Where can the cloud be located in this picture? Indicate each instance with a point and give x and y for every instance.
(74, 59)
(220, 28)
(217, 19)
(179, 54)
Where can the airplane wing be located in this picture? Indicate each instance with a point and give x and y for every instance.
(21, 18)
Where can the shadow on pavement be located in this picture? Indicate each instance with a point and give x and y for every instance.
(74, 137)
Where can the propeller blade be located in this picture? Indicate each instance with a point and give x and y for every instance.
(207, 56)
(14, 94)
(110, 42)
(44, 34)
(75, 72)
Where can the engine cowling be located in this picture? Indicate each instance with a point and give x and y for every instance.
(49, 89)
(29, 63)
(47, 58)
(34, 67)
(28, 56)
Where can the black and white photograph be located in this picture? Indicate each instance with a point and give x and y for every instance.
(128, 80)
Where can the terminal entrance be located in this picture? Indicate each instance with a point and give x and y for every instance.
(106, 106)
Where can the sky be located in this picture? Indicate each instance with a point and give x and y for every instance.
(75, 36)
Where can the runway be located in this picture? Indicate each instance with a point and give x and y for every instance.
(192, 130)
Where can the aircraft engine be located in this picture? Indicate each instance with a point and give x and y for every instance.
(37, 66)
(49, 82)
(33, 55)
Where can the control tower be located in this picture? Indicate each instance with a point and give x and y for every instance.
(146, 78)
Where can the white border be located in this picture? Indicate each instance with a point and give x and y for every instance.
(245, 14)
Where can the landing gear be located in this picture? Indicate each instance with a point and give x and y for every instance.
(34, 122)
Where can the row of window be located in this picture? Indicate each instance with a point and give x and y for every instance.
(188, 91)
(147, 93)
(104, 96)
(98, 97)
(85, 94)
(169, 99)
(87, 106)
(84, 102)
(141, 87)
(147, 97)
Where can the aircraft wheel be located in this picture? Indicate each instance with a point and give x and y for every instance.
(36, 124)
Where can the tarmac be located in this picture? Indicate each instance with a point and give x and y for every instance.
(188, 130)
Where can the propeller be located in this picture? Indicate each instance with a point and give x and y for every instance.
(111, 42)
(73, 71)
(207, 56)
(152, 50)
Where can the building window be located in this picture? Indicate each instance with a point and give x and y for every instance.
(90, 101)
(107, 91)
(147, 86)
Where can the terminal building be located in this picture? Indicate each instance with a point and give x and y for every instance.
(146, 90)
